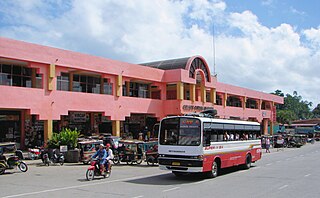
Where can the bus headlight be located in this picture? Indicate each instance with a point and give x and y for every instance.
(199, 157)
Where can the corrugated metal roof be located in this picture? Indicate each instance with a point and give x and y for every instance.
(179, 63)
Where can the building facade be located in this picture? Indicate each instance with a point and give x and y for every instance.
(44, 89)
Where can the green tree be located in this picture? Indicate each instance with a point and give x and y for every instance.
(294, 108)
(285, 116)
(316, 111)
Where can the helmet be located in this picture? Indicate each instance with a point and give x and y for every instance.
(101, 145)
(108, 145)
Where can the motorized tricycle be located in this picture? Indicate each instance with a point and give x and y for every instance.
(151, 152)
(14, 160)
(129, 151)
(87, 149)
(95, 170)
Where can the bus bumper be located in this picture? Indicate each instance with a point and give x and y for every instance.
(181, 169)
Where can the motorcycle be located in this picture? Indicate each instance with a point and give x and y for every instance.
(57, 158)
(95, 170)
(12, 162)
(33, 153)
(45, 157)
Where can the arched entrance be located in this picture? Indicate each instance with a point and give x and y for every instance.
(200, 86)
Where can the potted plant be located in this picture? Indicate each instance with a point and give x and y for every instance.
(69, 138)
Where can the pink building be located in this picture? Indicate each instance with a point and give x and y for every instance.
(44, 89)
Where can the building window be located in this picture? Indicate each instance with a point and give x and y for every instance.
(107, 87)
(63, 82)
(233, 101)
(20, 76)
(251, 104)
(171, 91)
(218, 100)
(139, 90)
(208, 96)
(86, 84)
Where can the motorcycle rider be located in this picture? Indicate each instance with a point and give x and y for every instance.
(102, 155)
(109, 156)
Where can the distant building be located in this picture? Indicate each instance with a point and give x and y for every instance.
(44, 89)
(304, 126)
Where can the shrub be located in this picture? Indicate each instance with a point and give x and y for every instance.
(65, 137)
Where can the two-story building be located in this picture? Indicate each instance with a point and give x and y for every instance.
(43, 89)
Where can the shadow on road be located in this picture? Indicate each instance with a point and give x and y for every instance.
(171, 179)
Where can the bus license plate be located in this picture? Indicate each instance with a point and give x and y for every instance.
(175, 163)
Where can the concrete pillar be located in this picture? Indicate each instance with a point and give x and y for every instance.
(265, 126)
(51, 75)
(23, 131)
(244, 102)
(192, 92)
(260, 104)
(180, 91)
(203, 94)
(119, 85)
(116, 128)
(213, 95)
(48, 124)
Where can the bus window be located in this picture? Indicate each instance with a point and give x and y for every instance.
(207, 138)
(220, 135)
(183, 132)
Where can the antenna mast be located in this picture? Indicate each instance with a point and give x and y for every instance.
(213, 51)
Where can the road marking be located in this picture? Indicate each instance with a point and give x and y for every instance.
(138, 196)
(175, 188)
(79, 186)
(288, 158)
(282, 187)
(307, 175)
(278, 161)
(269, 164)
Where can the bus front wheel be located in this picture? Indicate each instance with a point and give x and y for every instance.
(214, 170)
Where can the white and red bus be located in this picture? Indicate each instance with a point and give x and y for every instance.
(189, 144)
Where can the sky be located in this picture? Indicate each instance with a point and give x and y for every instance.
(265, 45)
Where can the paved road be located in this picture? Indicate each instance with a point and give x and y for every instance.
(290, 173)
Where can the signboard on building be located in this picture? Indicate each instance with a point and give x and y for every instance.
(195, 108)
(78, 117)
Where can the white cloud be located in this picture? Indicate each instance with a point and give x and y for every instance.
(313, 35)
(256, 56)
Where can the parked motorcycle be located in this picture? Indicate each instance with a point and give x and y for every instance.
(34, 153)
(94, 170)
(57, 157)
(45, 157)
(12, 162)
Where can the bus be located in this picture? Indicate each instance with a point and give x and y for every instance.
(191, 144)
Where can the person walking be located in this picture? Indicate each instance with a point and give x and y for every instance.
(267, 145)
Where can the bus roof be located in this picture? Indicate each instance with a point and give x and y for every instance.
(217, 120)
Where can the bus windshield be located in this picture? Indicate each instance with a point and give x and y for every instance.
(180, 132)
